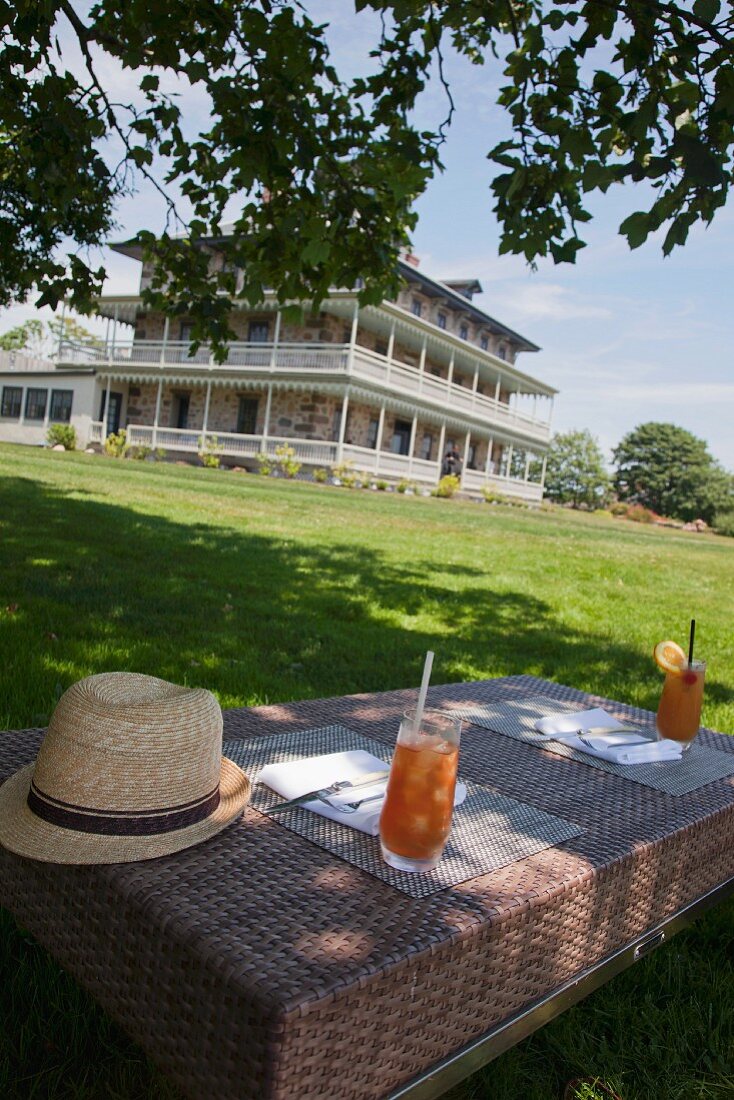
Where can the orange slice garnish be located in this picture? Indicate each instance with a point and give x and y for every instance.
(670, 658)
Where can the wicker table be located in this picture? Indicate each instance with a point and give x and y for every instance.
(259, 965)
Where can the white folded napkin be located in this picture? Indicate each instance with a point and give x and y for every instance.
(618, 748)
(297, 777)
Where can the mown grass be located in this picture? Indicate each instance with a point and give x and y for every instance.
(268, 591)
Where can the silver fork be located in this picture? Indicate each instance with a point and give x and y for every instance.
(352, 807)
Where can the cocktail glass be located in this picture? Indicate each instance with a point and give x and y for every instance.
(679, 712)
(416, 816)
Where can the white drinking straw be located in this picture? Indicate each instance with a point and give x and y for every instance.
(423, 691)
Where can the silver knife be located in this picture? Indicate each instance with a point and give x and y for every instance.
(324, 792)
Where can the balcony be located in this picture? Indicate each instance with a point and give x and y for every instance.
(315, 362)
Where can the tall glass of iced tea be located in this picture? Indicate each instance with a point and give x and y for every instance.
(679, 711)
(416, 815)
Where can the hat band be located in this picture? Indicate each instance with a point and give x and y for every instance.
(84, 819)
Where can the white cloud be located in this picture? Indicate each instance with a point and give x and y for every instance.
(548, 301)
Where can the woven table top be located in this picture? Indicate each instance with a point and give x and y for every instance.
(260, 965)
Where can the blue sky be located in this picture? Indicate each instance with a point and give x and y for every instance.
(625, 336)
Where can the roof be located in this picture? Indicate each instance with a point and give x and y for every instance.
(457, 292)
(432, 288)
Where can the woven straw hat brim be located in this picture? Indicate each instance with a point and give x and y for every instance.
(28, 835)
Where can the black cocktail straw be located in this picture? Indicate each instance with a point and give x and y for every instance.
(690, 642)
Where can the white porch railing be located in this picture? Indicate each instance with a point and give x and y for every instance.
(316, 452)
(317, 360)
(476, 480)
(229, 443)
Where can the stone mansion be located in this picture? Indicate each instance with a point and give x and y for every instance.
(388, 388)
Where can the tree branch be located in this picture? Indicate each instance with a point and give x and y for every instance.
(84, 37)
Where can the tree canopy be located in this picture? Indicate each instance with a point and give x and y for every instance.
(325, 169)
(671, 471)
(575, 471)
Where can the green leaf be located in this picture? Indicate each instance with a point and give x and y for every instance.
(636, 228)
(707, 9)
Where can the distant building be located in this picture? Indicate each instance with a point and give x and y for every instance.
(390, 387)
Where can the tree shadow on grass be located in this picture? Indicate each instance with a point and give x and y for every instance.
(254, 618)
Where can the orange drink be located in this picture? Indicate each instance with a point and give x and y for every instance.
(416, 815)
(679, 712)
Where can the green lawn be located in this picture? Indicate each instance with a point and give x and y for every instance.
(267, 591)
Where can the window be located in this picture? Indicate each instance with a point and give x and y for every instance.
(464, 332)
(381, 347)
(35, 404)
(12, 401)
(247, 416)
(61, 406)
(426, 446)
(372, 431)
(502, 351)
(441, 320)
(416, 306)
(484, 343)
(471, 457)
(400, 442)
(258, 332)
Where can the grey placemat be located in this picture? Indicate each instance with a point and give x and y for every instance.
(697, 767)
(488, 830)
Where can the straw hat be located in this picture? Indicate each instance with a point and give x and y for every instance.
(130, 768)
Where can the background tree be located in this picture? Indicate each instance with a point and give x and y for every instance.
(28, 337)
(575, 473)
(671, 471)
(40, 338)
(598, 92)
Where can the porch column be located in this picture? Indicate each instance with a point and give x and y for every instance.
(467, 441)
(450, 378)
(276, 341)
(509, 462)
(422, 364)
(441, 445)
(550, 412)
(390, 349)
(475, 383)
(411, 446)
(61, 328)
(353, 338)
(164, 345)
(105, 426)
(488, 463)
(157, 412)
(266, 421)
(114, 331)
(378, 441)
(498, 388)
(342, 428)
(205, 421)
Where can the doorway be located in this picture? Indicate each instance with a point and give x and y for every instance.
(400, 442)
(180, 410)
(115, 416)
